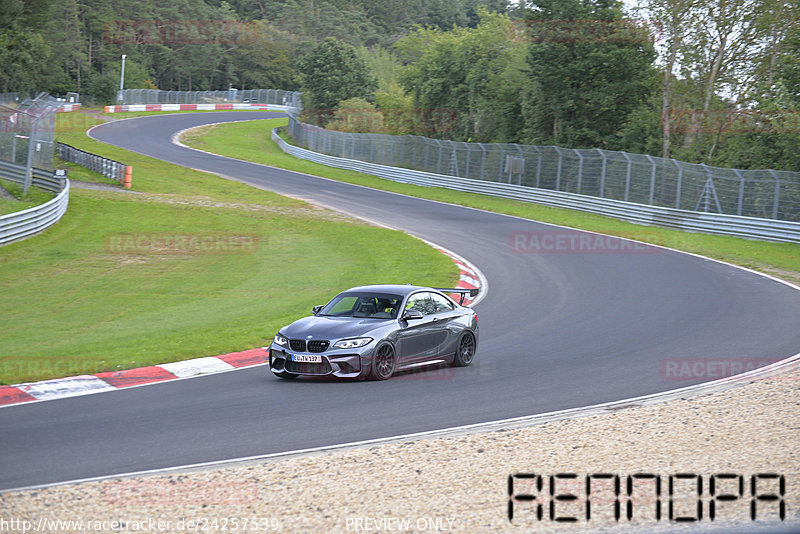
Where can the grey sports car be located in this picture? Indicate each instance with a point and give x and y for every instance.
(375, 331)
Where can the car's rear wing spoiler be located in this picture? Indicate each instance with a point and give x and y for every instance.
(460, 291)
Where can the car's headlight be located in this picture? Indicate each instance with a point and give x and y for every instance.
(353, 343)
(281, 340)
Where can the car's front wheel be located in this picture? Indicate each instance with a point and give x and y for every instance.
(465, 351)
(384, 362)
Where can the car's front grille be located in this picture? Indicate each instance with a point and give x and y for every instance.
(309, 368)
(317, 346)
(299, 345)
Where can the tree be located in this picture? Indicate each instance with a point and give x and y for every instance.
(264, 63)
(677, 18)
(594, 68)
(332, 72)
(468, 81)
(356, 115)
(24, 50)
(397, 108)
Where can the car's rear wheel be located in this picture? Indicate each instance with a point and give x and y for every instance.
(384, 362)
(465, 351)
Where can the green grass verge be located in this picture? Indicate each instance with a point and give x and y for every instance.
(20, 201)
(251, 141)
(197, 266)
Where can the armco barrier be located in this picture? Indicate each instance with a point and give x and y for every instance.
(711, 223)
(41, 178)
(22, 224)
(107, 167)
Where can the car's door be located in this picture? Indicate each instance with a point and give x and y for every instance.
(418, 339)
(448, 328)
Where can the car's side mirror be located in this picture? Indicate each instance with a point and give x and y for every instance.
(316, 309)
(412, 314)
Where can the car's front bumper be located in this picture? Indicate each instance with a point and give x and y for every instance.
(341, 363)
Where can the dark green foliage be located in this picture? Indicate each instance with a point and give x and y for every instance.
(576, 73)
(591, 77)
(332, 72)
(265, 64)
(473, 76)
(76, 45)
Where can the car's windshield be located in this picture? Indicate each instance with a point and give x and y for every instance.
(363, 305)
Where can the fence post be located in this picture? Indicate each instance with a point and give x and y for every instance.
(741, 191)
(602, 174)
(441, 148)
(680, 184)
(500, 165)
(538, 164)
(627, 177)
(580, 169)
(777, 194)
(28, 164)
(652, 178)
(453, 168)
(558, 173)
(708, 191)
(483, 161)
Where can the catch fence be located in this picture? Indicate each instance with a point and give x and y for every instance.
(244, 96)
(635, 178)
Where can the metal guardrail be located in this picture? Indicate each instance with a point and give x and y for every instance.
(22, 224)
(712, 223)
(41, 178)
(107, 167)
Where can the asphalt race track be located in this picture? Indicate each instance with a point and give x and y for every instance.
(559, 329)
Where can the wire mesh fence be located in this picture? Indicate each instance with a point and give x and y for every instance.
(638, 178)
(27, 131)
(252, 96)
(9, 99)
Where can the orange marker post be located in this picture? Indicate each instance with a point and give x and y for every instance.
(128, 176)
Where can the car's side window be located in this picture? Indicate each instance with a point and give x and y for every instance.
(441, 303)
(422, 303)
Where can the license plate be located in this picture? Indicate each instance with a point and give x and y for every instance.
(306, 358)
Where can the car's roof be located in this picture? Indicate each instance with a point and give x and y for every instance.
(393, 289)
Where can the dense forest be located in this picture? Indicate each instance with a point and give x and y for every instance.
(709, 82)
